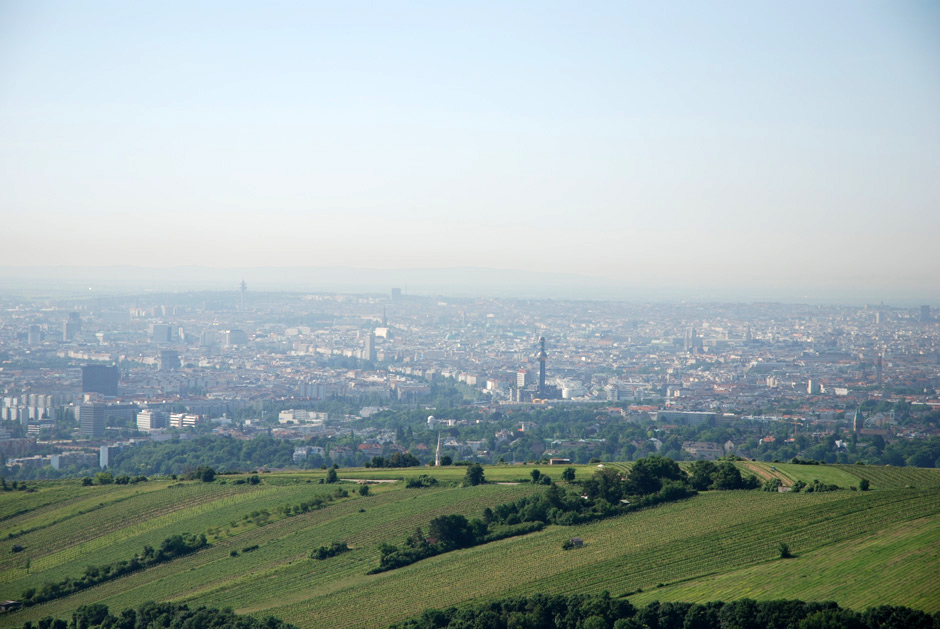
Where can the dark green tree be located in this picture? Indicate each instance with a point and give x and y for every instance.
(701, 474)
(474, 475)
(88, 616)
(452, 531)
(728, 476)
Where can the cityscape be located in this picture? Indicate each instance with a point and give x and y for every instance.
(85, 381)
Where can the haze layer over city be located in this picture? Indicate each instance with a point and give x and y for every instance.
(736, 151)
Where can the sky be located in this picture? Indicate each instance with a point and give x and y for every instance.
(748, 145)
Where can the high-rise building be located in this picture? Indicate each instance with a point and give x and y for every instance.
(234, 337)
(71, 327)
(208, 338)
(148, 420)
(169, 360)
(107, 453)
(368, 352)
(161, 333)
(91, 420)
(924, 314)
(101, 379)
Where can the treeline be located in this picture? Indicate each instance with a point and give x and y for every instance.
(164, 615)
(223, 454)
(604, 612)
(447, 533)
(600, 499)
(171, 548)
(723, 475)
(651, 481)
(397, 459)
(317, 502)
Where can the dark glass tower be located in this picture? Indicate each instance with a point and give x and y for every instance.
(101, 379)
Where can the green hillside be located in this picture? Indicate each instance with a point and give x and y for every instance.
(857, 548)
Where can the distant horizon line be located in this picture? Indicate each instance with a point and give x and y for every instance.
(456, 281)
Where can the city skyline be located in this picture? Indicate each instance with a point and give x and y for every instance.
(741, 151)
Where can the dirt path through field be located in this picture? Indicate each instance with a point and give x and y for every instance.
(763, 473)
(363, 481)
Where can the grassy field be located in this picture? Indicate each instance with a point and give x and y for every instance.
(858, 548)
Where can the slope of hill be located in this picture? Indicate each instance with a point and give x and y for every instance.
(858, 548)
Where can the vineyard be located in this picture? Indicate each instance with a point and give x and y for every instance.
(886, 477)
(717, 544)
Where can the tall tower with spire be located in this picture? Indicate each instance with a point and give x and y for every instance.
(858, 422)
(243, 287)
(542, 357)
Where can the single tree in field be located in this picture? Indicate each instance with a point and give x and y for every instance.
(331, 476)
(474, 475)
(568, 474)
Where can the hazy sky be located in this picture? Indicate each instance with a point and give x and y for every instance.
(789, 143)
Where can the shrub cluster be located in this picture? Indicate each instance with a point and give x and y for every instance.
(420, 482)
(259, 517)
(772, 484)
(538, 478)
(254, 479)
(325, 552)
(815, 486)
(204, 473)
(303, 507)
(14, 486)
